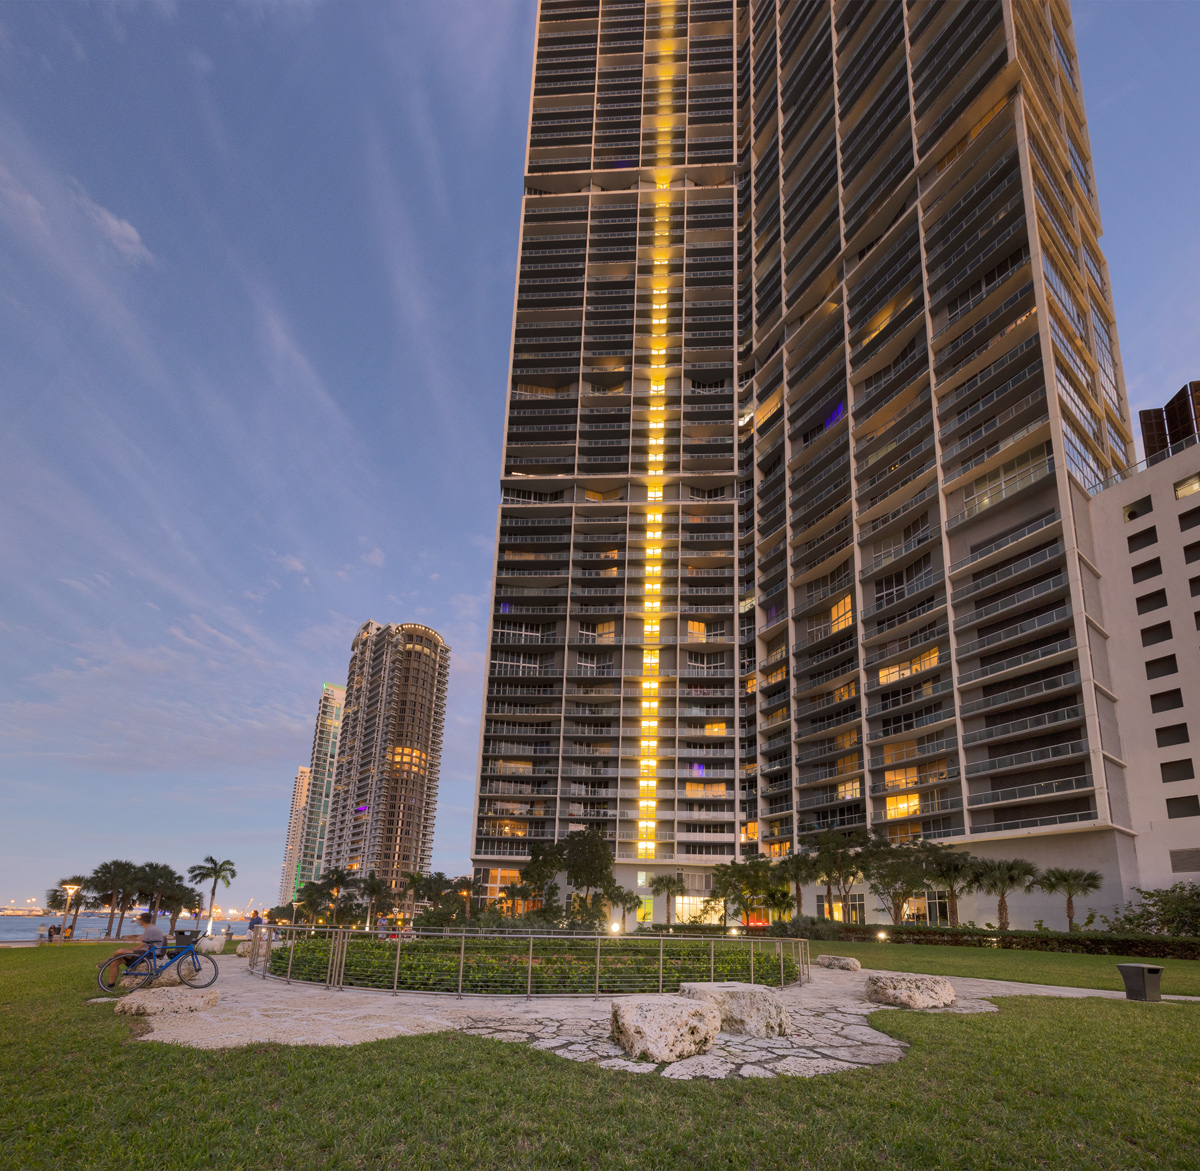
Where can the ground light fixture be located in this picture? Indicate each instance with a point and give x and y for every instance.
(614, 927)
(881, 936)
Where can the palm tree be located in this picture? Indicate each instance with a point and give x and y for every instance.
(312, 898)
(111, 878)
(952, 870)
(780, 900)
(1060, 880)
(627, 900)
(214, 871)
(799, 870)
(999, 876)
(512, 893)
(670, 885)
(158, 878)
(378, 893)
(177, 898)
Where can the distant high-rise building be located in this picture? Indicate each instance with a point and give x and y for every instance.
(386, 784)
(295, 835)
(313, 845)
(814, 362)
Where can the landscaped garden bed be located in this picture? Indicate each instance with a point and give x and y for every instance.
(553, 966)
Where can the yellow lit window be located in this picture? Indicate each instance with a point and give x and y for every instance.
(646, 910)
(714, 729)
(650, 706)
(900, 778)
(898, 751)
(652, 606)
(905, 806)
(697, 630)
(751, 686)
(654, 569)
(649, 725)
(654, 493)
(647, 808)
(846, 691)
(848, 790)
(654, 587)
(842, 614)
(776, 675)
(649, 747)
(846, 739)
(903, 670)
(750, 831)
(646, 829)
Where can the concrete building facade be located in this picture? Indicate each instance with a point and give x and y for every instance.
(385, 787)
(814, 361)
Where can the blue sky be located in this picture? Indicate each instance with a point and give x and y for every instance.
(256, 271)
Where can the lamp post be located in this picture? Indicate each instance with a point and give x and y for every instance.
(70, 889)
(295, 904)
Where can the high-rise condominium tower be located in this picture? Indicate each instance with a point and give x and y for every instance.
(386, 785)
(813, 363)
(314, 805)
(295, 834)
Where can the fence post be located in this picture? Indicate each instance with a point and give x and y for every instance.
(329, 959)
(265, 935)
(780, 946)
(396, 974)
(341, 974)
(712, 960)
(660, 963)
(752, 961)
(597, 994)
(291, 955)
(462, 955)
(529, 970)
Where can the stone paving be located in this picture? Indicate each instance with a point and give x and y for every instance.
(831, 1030)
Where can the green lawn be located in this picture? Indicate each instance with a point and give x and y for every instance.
(1180, 977)
(1042, 1083)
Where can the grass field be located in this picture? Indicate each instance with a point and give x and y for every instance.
(1042, 1083)
(1180, 977)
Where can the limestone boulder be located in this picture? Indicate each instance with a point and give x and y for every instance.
(910, 991)
(243, 949)
(153, 1002)
(664, 1028)
(751, 1010)
(844, 963)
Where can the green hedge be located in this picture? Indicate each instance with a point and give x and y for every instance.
(500, 966)
(1157, 947)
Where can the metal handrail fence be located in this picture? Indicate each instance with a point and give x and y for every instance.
(469, 963)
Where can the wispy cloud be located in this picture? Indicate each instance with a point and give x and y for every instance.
(121, 234)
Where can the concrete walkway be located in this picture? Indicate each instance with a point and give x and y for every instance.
(830, 1026)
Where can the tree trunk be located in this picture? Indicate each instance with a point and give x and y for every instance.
(828, 899)
(75, 917)
(799, 901)
(112, 910)
(212, 902)
(175, 919)
(952, 905)
(1002, 910)
(157, 904)
(897, 909)
(1070, 912)
(121, 921)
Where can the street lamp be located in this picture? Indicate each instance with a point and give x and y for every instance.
(70, 889)
(295, 904)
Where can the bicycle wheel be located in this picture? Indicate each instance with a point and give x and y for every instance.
(196, 969)
(116, 982)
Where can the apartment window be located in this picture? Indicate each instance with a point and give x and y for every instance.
(1081, 460)
(1158, 668)
(1188, 487)
(1183, 807)
(1143, 540)
(1194, 586)
(1191, 552)
(1138, 509)
(1165, 701)
(1197, 617)
(1156, 634)
(1185, 861)
(1155, 601)
(1189, 519)
(1177, 770)
(1171, 734)
(1149, 569)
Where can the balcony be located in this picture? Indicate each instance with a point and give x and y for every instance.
(1016, 727)
(934, 748)
(1033, 792)
(1024, 759)
(1056, 617)
(1035, 822)
(923, 809)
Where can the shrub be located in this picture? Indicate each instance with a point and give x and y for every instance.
(1142, 946)
(1171, 910)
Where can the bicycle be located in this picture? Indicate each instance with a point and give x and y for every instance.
(195, 969)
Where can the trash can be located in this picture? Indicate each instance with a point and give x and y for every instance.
(1142, 981)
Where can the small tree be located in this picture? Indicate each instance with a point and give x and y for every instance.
(893, 873)
(1164, 910)
(512, 893)
(839, 867)
(587, 861)
(544, 865)
(110, 878)
(625, 900)
(1060, 880)
(669, 885)
(1001, 876)
(726, 883)
(378, 893)
(799, 870)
